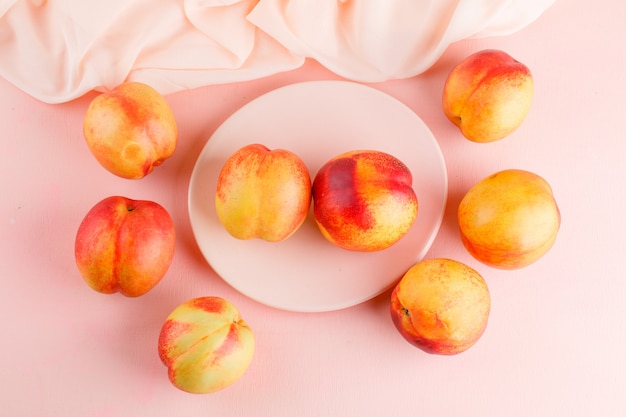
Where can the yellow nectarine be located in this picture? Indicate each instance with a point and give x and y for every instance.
(130, 130)
(206, 345)
(509, 219)
(488, 95)
(263, 193)
(441, 306)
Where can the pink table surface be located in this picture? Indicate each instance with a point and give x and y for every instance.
(556, 337)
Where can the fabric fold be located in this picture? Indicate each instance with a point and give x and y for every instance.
(58, 50)
(378, 40)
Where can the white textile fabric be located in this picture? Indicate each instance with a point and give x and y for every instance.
(57, 50)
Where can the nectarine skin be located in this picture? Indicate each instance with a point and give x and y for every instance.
(488, 95)
(509, 219)
(363, 200)
(130, 130)
(441, 306)
(206, 345)
(124, 245)
(263, 193)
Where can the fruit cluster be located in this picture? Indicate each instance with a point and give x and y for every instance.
(127, 246)
(363, 200)
(508, 220)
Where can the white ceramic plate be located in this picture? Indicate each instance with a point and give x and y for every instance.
(318, 120)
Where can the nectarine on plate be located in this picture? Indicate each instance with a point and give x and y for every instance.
(318, 120)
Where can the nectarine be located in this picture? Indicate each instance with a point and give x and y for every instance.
(206, 345)
(509, 219)
(488, 95)
(130, 130)
(125, 246)
(263, 193)
(441, 306)
(363, 200)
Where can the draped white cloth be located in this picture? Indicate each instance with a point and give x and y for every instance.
(57, 50)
